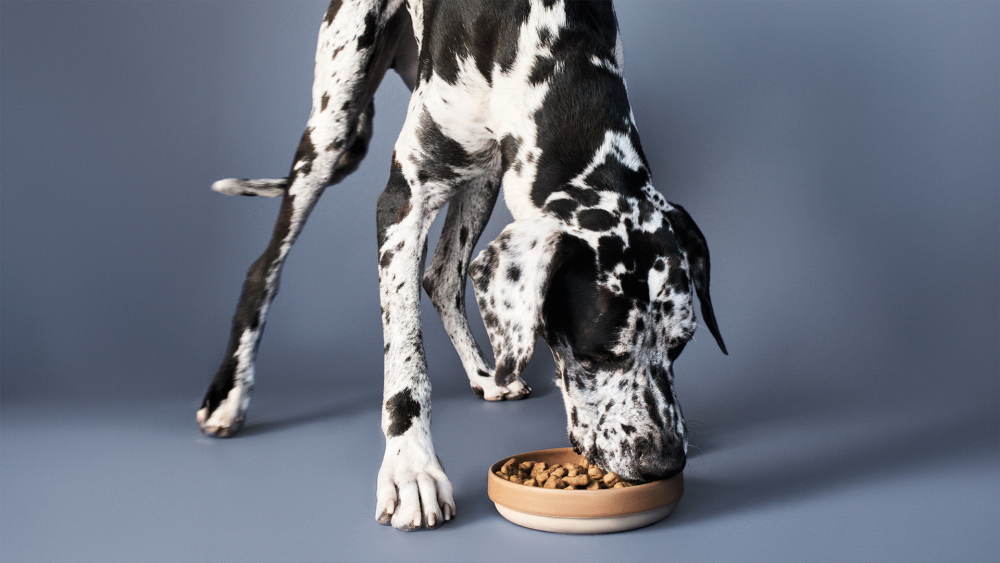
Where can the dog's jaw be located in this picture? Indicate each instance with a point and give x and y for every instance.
(626, 420)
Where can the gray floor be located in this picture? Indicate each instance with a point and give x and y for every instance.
(133, 481)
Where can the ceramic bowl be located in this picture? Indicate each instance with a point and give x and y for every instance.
(581, 511)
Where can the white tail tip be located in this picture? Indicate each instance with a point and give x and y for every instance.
(264, 187)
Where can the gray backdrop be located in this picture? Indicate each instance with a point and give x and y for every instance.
(841, 157)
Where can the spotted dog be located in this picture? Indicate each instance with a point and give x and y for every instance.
(528, 95)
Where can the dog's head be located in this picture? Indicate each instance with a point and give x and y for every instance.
(616, 307)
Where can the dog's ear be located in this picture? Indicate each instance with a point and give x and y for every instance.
(692, 242)
(511, 277)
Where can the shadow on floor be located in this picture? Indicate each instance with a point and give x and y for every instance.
(879, 455)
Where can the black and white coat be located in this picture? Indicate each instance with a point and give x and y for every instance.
(527, 95)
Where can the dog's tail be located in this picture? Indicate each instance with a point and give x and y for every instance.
(691, 239)
(266, 187)
(358, 41)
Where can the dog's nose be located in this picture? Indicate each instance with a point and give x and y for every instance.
(664, 466)
(640, 462)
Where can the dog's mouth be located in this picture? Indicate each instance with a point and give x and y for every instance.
(625, 420)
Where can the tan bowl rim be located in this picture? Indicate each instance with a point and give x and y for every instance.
(579, 503)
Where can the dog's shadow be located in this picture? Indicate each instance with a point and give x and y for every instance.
(454, 386)
(319, 414)
(803, 470)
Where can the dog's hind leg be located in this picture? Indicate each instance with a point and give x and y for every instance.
(357, 43)
(445, 282)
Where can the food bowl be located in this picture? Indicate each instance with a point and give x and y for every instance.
(575, 511)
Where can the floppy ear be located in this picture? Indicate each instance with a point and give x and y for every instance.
(511, 277)
(693, 244)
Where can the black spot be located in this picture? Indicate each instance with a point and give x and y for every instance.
(651, 410)
(596, 219)
(443, 153)
(562, 208)
(646, 210)
(628, 428)
(323, 101)
(331, 11)
(367, 38)
(394, 203)
(513, 273)
(402, 410)
(305, 154)
(508, 150)
(612, 175)
(463, 235)
(574, 444)
(676, 276)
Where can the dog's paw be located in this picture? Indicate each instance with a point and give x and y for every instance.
(517, 389)
(413, 492)
(228, 416)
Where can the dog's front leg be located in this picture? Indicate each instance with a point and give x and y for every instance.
(413, 491)
(511, 278)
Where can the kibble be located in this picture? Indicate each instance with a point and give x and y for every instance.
(582, 475)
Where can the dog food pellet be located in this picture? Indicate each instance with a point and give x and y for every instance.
(581, 475)
(610, 478)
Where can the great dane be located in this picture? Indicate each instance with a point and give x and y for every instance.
(528, 95)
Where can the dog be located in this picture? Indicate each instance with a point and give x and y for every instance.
(528, 95)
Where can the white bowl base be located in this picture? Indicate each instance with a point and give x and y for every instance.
(599, 525)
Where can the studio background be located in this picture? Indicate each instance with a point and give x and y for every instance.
(841, 158)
